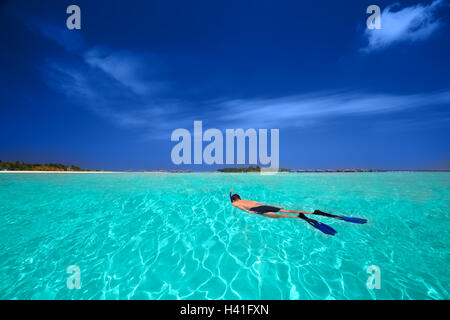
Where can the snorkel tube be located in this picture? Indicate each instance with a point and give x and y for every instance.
(230, 194)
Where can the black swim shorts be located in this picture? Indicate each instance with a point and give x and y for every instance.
(264, 209)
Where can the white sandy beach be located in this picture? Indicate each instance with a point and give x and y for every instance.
(62, 172)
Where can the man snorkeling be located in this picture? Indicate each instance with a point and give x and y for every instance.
(271, 212)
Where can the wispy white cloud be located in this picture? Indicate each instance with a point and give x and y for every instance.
(156, 119)
(305, 110)
(411, 24)
(97, 92)
(111, 84)
(73, 42)
(124, 67)
(118, 85)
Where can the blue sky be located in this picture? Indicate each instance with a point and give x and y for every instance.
(109, 95)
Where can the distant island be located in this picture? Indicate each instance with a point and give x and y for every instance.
(258, 169)
(249, 169)
(58, 167)
(22, 166)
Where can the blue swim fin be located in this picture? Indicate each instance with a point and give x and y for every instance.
(354, 220)
(318, 225)
(343, 218)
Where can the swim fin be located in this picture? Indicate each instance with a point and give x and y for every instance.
(343, 218)
(318, 225)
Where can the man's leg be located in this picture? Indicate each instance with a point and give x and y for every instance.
(276, 216)
(316, 224)
(294, 211)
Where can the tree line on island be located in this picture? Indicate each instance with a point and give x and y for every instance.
(258, 169)
(249, 169)
(22, 166)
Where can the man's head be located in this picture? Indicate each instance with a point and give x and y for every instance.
(235, 197)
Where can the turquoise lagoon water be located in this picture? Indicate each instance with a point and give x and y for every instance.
(175, 236)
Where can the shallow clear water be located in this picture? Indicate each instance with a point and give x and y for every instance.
(175, 236)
